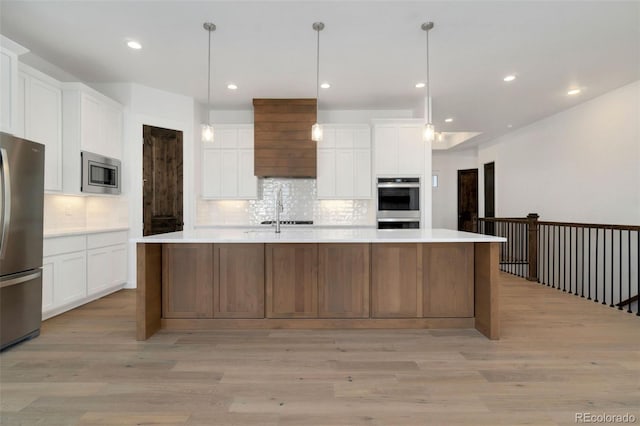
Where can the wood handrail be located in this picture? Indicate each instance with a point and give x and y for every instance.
(503, 219)
(592, 225)
(627, 302)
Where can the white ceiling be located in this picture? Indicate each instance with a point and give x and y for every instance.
(372, 52)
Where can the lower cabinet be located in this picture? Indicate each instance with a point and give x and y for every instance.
(187, 280)
(448, 283)
(79, 268)
(63, 279)
(395, 283)
(238, 281)
(343, 280)
(292, 280)
(308, 280)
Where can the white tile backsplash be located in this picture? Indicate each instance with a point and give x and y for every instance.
(70, 212)
(300, 203)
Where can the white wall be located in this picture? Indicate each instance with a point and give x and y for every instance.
(581, 165)
(445, 197)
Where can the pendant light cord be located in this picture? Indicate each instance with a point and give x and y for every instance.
(317, 72)
(209, 79)
(428, 83)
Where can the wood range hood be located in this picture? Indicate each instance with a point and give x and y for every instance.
(282, 138)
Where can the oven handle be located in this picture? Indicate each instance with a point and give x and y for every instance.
(398, 185)
(400, 219)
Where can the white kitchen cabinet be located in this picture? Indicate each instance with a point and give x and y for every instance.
(40, 120)
(80, 268)
(90, 122)
(398, 148)
(8, 90)
(227, 164)
(344, 162)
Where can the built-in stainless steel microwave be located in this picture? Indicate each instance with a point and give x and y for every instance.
(100, 175)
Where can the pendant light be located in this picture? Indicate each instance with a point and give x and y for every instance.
(429, 133)
(316, 129)
(207, 129)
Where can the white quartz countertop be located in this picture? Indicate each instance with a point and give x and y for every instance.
(319, 235)
(81, 231)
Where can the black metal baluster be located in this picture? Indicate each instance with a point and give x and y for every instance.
(582, 265)
(564, 259)
(619, 269)
(547, 232)
(595, 298)
(570, 259)
(553, 259)
(589, 266)
(637, 272)
(629, 267)
(604, 302)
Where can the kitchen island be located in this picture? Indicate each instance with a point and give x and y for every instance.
(317, 278)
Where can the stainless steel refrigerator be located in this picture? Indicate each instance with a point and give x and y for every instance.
(22, 200)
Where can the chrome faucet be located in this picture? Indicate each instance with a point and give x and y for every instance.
(279, 208)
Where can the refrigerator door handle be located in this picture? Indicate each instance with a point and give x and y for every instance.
(6, 202)
(24, 278)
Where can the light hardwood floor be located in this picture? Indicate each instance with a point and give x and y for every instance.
(558, 355)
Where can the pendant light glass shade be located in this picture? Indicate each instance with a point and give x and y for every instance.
(207, 129)
(429, 132)
(207, 133)
(316, 129)
(316, 133)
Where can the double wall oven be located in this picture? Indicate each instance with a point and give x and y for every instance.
(398, 203)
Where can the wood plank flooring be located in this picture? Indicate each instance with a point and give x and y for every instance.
(558, 355)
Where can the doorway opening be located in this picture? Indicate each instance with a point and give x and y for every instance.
(490, 195)
(162, 196)
(468, 200)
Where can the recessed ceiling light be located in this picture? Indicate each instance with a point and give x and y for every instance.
(573, 92)
(325, 85)
(420, 85)
(509, 126)
(509, 78)
(231, 86)
(134, 44)
(448, 120)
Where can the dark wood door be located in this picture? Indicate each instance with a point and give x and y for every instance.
(489, 196)
(468, 200)
(162, 177)
(238, 289)
(343, 280)
(292, 280)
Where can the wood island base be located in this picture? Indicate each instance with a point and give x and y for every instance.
(206, 286)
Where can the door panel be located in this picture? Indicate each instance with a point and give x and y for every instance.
(292, 280)
(394, 281)
(239, 281)
(468, 200)
(22, 183)
(448, 280)
(187, 280)
(163, 187)
(343, 280)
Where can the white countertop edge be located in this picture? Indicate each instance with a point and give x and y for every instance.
(297, 235)
(81, 231)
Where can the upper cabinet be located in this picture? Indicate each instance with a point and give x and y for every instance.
(39, 118)
(398, 147)
(344, 162)
(8, 89)
(283, 145)
(227, 164)
(90, 122)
